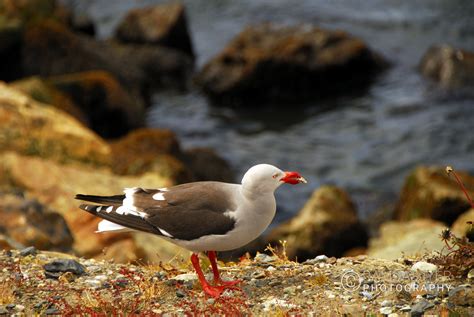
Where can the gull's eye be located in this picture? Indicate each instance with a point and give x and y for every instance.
(276, 175)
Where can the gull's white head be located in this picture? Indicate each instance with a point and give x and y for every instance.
(263, 178)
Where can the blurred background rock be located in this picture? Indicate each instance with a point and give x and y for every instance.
(372, 98)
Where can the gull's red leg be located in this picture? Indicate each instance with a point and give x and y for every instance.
(217, 278)
(214, 291)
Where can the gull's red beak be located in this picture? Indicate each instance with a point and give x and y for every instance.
(293, 178)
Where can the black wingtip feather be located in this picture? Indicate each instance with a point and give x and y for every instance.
(114, 200)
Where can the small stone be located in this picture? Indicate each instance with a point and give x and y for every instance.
(424, 267)
(52, 311)
(265, 258)
(55, 268)
(10, 306)
(318, 259)
(28, 251)
(211, 301)
(470, 274)
(385, 310)
(180, 293)
(393, 315)
(462, 295)
(258, 275)
(185, 277)
(274, 283)
(3, 311)
(290, 290)
(419, 308)
(93, 283)
(367, 295)
(19, 308)
(271, 268)
(386, 303)
(405, 308)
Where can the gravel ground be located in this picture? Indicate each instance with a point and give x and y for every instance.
(46, 283)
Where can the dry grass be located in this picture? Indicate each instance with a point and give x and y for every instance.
(7, 295)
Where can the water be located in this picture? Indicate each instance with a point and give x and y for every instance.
(365, 143)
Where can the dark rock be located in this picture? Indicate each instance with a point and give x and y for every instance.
(420, 307)
(450, 67)
(274, 63)
(29, 251)
(10, 306)
(50, 48)
(30, 223)
(111, 110)
(163, 24)
(52, 311)
(462, 295)
(83, 24)
(429, 192)
(57, 267)
(206, 165)
(327, 224)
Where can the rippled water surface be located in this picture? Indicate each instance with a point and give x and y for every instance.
(365, 143)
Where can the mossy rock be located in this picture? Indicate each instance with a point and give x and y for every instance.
(429, 192)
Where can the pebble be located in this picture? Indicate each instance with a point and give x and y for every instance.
(29, 251)
(265, 258)
(289, 290)
(257, 275)
(93, 283)
(52, 311)
(420, 307)
(385, 310)
(10, 306)
(271, 268)
(274, 283)
(405, 308)
(470, 274)
(386, 303)
(55, 268)
(461, 295)
(180, 294)
(319, 259)
(20, 308)
(211, 301)
(185, 277)
(367, 295)
(424, 267)
(3, 311)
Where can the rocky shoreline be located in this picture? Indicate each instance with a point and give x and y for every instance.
(47, 283)
(71, 121)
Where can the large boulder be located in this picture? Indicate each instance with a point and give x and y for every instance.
(162, 24)
(30, 223)
(111, 110)
(269, 62)
(450, 67)
(55, 185)
(149, 150)
(40, 90)
(50, 48)
(429, 192)
(327, 224)
(206, 165)
(33, 128)
(412, 238)
(463, 226)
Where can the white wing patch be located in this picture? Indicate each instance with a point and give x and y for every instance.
(106, 225)
(128, 207)
(159, 196)
(109, 209)
(165, 233)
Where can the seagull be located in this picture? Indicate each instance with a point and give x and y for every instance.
(201, 216)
